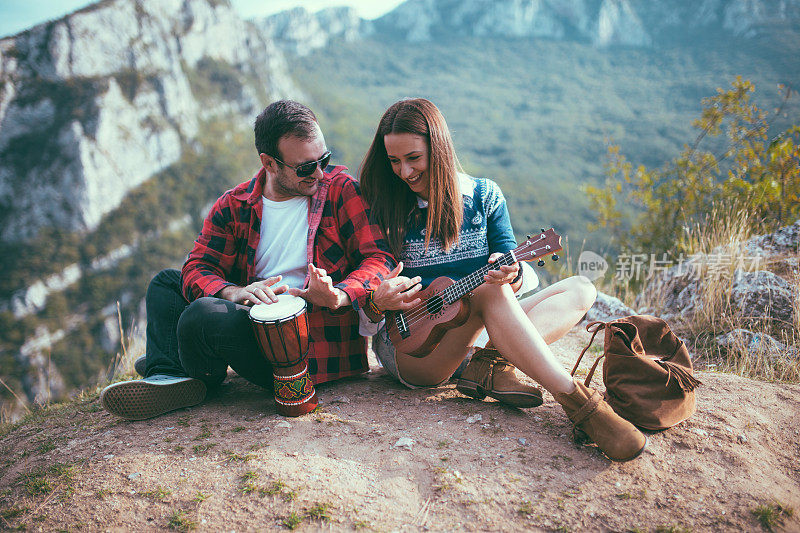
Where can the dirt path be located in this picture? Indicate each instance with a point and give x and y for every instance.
(233, 464)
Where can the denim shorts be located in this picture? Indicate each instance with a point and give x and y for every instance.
(387, 357)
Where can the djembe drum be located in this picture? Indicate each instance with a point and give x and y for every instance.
(281, 330)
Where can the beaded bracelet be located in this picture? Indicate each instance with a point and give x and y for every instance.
(371, 307)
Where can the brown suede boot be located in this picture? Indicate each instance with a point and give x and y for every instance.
(489, 374)
(589, 412)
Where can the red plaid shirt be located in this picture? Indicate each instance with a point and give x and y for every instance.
(341, 240)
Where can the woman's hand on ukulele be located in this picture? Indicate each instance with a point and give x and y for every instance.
(396, 291)
(505, 274)
(258, 292)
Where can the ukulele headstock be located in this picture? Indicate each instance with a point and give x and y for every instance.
(545, 243)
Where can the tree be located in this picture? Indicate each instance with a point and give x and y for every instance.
(747, 173)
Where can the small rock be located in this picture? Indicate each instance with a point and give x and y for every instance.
(283, 424)
(742, 438)
(474, 418)
(404, 442)
(457, 476)
(522, 441)
(109, 456)
(341, 399)
(133, 476)
(698, 431)
(537, 418)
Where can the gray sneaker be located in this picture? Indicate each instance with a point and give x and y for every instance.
(140, 365)
(145, 398)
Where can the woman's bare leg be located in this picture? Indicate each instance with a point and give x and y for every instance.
(440, 364)
(556, 309)
(515, 337)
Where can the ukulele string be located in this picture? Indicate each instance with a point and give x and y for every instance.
(420, 311)
(447, 295)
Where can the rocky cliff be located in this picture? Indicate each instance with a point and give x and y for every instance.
(95, 103)
(600, 22)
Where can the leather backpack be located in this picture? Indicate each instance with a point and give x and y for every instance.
(647, 371)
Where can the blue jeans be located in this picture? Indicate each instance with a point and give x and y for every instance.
(200, 340)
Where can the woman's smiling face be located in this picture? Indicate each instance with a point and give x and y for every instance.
(408, 155)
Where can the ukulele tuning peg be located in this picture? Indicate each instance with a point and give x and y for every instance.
(555, 257)
(529, 237)
(542, 230)
(541, 262)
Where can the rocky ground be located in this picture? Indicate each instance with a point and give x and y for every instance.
(379, 457)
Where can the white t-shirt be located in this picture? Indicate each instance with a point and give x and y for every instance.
(282, 247)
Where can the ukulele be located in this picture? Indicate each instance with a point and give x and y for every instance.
(445, 303)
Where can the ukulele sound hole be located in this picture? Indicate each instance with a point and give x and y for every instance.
(434, 305)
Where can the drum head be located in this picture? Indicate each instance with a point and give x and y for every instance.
(286, 306)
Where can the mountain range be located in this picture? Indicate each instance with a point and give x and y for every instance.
(107, 113)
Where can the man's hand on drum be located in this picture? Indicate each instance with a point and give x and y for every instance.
(320, 290)
(258, 292)
(396, 291)
(505, 274)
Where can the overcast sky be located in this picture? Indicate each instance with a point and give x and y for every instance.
(18, 15)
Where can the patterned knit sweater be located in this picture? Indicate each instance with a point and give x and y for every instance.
(486, 229)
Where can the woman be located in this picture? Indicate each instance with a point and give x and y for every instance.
(441, 222)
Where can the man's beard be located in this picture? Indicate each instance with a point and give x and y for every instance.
(289, 186)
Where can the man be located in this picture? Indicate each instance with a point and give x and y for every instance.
(298, 227)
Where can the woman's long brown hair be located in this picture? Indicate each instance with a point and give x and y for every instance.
(390, 199)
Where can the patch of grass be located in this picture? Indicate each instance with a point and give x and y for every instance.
(276, 487)
(205, 432)
(771, 514)
(289, 495)
(249, 476)
(233, 457)
(292, 521)
(177, 449)
(319, 511)
(247, 482)
(630, 496)
(47, 445)
(37, 484)
(203, 448)
(41, 481)
(13, 512)
(180, 521)
(248, 487)
(237, 429)
(673, 529)
(361, 524)
(201, 497)
(159, 493)
(525, 509)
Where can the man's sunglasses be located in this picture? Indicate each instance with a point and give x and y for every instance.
(304, 170)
